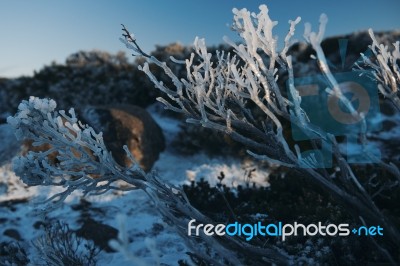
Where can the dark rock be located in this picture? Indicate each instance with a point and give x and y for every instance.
(99, 233)
(13, 234)
(39, 224)
(121, 125)
(12, 204)
(128, 125)
(387, 125)
(83, 205)
(87, 210)
(156, 229)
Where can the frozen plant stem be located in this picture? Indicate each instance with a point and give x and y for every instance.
(216, 94)
(386, 69)
(85, 164)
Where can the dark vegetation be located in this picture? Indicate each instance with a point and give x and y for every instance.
(11, 253)
(290, 198)
(59, 245)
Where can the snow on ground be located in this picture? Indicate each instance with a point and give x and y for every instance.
(383, 140)
(190, 168)
(143, 222)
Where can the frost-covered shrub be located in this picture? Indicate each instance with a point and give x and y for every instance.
(11, 253)
(216, 93)
(83, 159)
(84, 163)
(219, 95)
(386, 68)
(60, 246)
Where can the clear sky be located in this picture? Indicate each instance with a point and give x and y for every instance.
(35, 33)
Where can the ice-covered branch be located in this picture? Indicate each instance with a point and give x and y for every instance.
(83, 163)
(217, 93)
(235, 93)
(315, 39)
(385, 67)
(82, 160)
(222, 94)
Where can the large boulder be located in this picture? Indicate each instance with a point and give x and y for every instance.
(127, 125)
(121, 125)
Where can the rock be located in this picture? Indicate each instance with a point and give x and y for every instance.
(12, 204)
(91, 229)
(128, 125)
(12, 233)
(27, 146)
(121, 125)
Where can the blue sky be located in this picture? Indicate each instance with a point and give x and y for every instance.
(35, 33)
